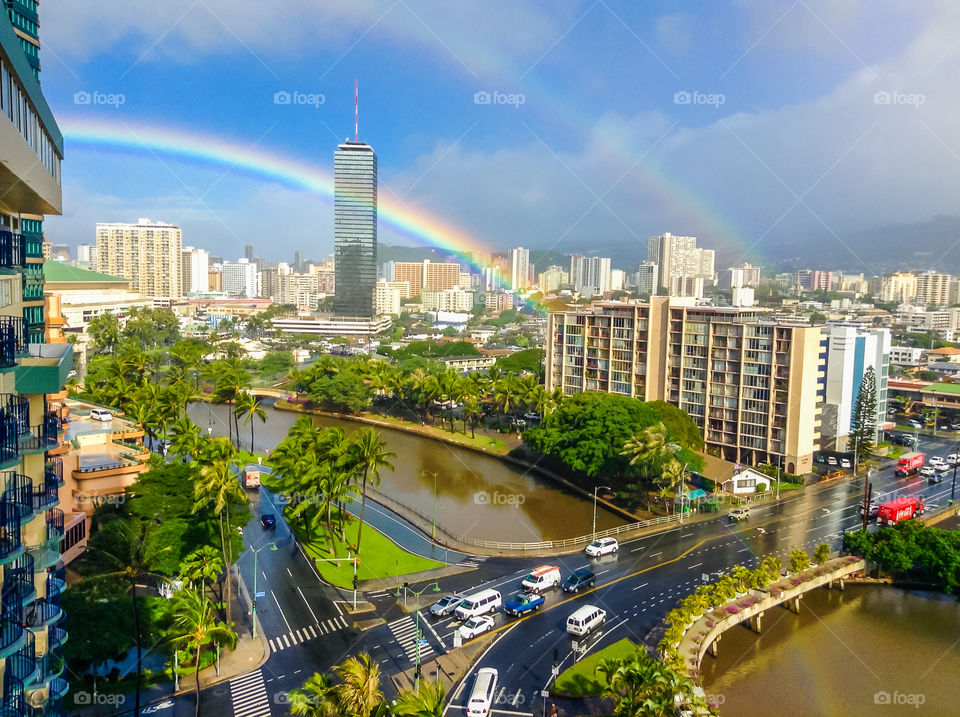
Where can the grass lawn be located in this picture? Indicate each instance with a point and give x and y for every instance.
(494, 445)
(580, 680)
(380, 556)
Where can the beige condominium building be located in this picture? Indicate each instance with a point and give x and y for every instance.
(752, 386)
(147, 253)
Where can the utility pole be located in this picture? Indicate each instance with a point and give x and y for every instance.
(866, 500)
(953, 486)
(595, 489)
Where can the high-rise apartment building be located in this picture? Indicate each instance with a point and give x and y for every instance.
(678, 257)
(25, 21)
(645, 279)
(519, 261)
(590, 275)
(933, 288)
(897, 287)
(146, 253)
(552, 279)
(751, 385)
(87, 255)
(455, 300)
(239, 278)
(436, 276)
(248, 252)
(33, 524)
(743, 275)
(387, 296)
(194, 270)
(355, 229)
(850, 351)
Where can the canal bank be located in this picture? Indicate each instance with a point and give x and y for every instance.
(866, 650)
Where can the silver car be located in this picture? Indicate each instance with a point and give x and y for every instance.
(446, 605)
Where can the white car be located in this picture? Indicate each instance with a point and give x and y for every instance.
(100, 414)
(602, 546)
(738, 514)
(928, 471)
(938, 460)
(475, 626)
(953, 458)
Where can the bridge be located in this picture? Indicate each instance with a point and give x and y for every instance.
(704, 634)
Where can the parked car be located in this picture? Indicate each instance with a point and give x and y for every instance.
(446, 605)
(845, 463)
(938, 461)
(582, 578)
(916, 424)
(602, 546)
(738, 514)
(268, 520)
(100, 414)
(522, 603)
(831, 460)
(953, 459)
(955, 426)
(543, 578)
(475, 626)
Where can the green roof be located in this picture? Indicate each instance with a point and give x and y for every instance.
(943, 388)
(58, 271)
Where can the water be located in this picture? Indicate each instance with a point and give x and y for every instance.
(477, 495)
(870, 650)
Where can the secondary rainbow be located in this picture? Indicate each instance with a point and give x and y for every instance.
(206, 149)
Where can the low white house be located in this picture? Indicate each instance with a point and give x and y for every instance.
(746, 481)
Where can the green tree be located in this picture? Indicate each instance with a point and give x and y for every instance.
(821, 554)
(642, 686)
(365, 455)
(317, 698)
(359, 693)
(799, 560)
(427, 702)
(864, 427)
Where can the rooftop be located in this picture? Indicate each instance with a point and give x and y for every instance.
(945, 351)
(943, 387)
(54, 271)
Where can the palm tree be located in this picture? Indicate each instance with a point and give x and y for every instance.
(185, 439)
(250, 405)
(365, 455)
(471, 413)
(317, 698)
(673, 476)
(643, 686)
(203, 566)
(428, 702)
(195, 627)
(359, 694)
(217, 486)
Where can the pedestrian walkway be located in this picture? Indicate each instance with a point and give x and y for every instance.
(405, 632)
(309, 632)
(249, 696)
(473, 561)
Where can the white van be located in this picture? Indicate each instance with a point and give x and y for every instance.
(586, 619)
(484, 688)
(542, 578)
(485, 601)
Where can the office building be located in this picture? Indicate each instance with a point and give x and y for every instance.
(751, 385)
(519, 261)
(646, 278)
(679, 257)
(248, 252)
(491, 278)
(334, 326)
(58, 252)
(239, 278)
(33, 522)
(146, 253)
(850, 351)
(355, 229)
(426, 274)
(298, 264)
(194, 271)
(933, 288)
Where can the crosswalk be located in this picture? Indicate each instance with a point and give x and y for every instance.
(405, 632)
(473, 561)
(249, 695)
(295, 637)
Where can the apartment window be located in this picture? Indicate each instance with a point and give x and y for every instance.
(6, 292)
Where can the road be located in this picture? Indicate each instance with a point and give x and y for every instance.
(307, 631)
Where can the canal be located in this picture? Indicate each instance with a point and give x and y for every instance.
(869, 650)
(477, 495)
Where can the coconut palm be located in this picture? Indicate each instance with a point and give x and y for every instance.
(365, 454)
(195, 627)
(185, 439)
(317, 698)
(250, 406)
(203, 567)
(359, 695)
(427, 702)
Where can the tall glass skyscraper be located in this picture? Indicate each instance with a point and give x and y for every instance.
(355, 229)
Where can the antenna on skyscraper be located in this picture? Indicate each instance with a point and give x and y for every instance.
(356, 111)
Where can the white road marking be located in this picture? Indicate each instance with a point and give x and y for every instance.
(641, 586)
(289, 629)
(307, 604)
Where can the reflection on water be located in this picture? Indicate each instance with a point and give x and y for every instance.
(869, 650)
(477, 495)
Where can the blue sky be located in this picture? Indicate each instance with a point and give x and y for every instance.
(784, 136)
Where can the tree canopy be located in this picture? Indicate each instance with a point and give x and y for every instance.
(912, 551)
(526, 360)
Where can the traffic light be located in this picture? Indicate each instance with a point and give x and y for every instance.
(254, 603)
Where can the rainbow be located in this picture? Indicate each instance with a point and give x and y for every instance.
(207, 149)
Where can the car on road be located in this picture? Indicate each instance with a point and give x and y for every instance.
(955, 426)
(738, 514)
(872, 509)
(268, 521)
(446, 605)
(485, 601)
(602, 546)
(475, 626)
(100, 414)
(545, 577)
(481, 696)
(522, 603)
(916, 424)
(585, 620)
(935, 478)
(938, 461)
(582, 578)
(929, 472)
(953, 459)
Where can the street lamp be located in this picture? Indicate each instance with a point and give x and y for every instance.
(433, 532)
(595, 489)
(435, 586)
(253, 606)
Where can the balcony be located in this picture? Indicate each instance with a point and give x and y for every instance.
(12, 254)
(13, 636)
(49, 667)
(46, 495)
(44, 436)
(13, 340)
(33, 245)
(44, 369)
(42, 613)
(20, 668)
(57, 633)
(56, 579)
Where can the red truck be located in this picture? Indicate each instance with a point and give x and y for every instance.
(899, 509)
(909, 464)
